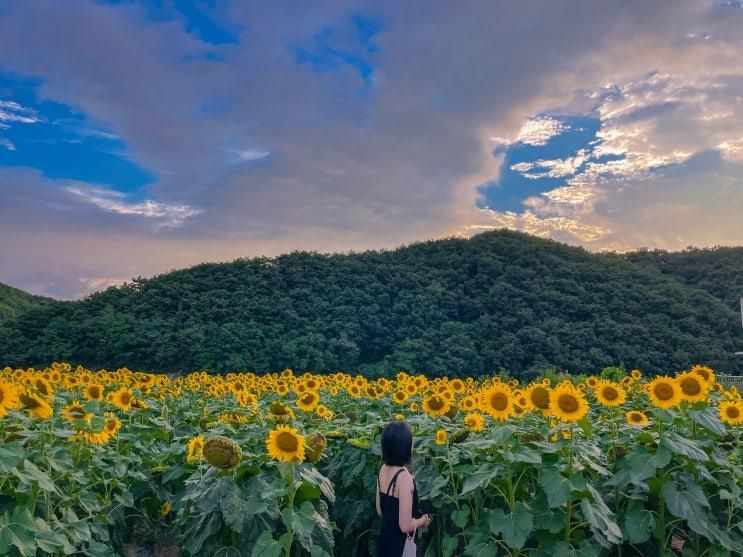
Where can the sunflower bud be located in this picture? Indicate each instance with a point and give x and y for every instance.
(314, 448)
(459, 435)
(222, 452)
(360, 443)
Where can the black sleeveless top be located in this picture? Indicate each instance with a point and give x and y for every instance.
(391, 538)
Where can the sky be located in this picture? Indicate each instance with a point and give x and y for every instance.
(137, 137)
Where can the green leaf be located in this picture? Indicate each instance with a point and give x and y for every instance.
(312, 475)
(638, 522)
(555, 485)
(460, 517)
(19, 529)
(11, 454)
(303, 522)
(449, 546)
(686, 447)
(480, 477)
(514, 527)
(524, 454)
(710, 420)
(600, 519)
(266, 546)
(42, 478)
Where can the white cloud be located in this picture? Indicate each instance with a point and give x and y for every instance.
(165, 215)
(551, 168)
(538, 131)
(7, 144)
(11, 111)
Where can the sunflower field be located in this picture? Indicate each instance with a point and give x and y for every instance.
(111, 462)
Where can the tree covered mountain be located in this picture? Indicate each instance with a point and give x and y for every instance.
(499, 300)
(14, 302)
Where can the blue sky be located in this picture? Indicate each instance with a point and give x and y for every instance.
(140, 136)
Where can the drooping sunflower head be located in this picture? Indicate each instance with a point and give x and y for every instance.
(112, 425)
(440, 437)
(43, 387)
(664, 392)
(693, 387)
(314, 447)
(436, 405)
(222, 452)
(567, 403)
(731, 412)
(635, 417)
(474, 421)
(610, 394)
(285, 444)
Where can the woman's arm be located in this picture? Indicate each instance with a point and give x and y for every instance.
(405, 496)
(379, 507)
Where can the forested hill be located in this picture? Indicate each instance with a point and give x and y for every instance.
(500, 300)
(14, 302)
(717, 270)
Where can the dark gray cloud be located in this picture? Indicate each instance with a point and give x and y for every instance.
(273, 154)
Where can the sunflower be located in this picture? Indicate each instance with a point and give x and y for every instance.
(165, 509)
(664, 392)
(43, 387)
(440, 437)
(610, 394)
(636, 374)
(122, 399)
(468, 403)
(74, 411)
(354, 390)
(399, 417)
(414, 407)
(497, 401)
(93, 391)
(567, 403)
(537, 397)
(281, 389)
(91, 437)
(8, 398)
(634, 417)
(400, 397)
(285, 444)
(592, 381)
(707, 374)
(474, 421)
(693, 387)
(457, 385)
(308, 401)
(36, 405)
(195, 449)
(731, 412)
(436, 405)
(112, 425)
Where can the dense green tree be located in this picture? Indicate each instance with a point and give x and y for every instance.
(499, 300)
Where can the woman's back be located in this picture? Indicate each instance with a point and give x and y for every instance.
(391, 538)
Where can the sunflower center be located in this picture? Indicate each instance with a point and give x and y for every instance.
(541, 398)
(94, 391)
(30, 402)
(287, 442)
(732, 412)
(610, 393)
(126, 398)
(436, 403)
(690, 386)
(663, 391)
(567, 403)
(635, 417)
(499, 401)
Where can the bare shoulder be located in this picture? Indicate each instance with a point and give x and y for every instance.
(406, 478)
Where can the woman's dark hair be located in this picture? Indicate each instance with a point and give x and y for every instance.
(397, 443)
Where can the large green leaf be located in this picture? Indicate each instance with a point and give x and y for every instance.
(638, 522)
(266, 546)
(557, 487)
(514, 527)
(481, 477)
(686, 447)
(600, 519)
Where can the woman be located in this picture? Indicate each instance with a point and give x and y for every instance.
(397, 497)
